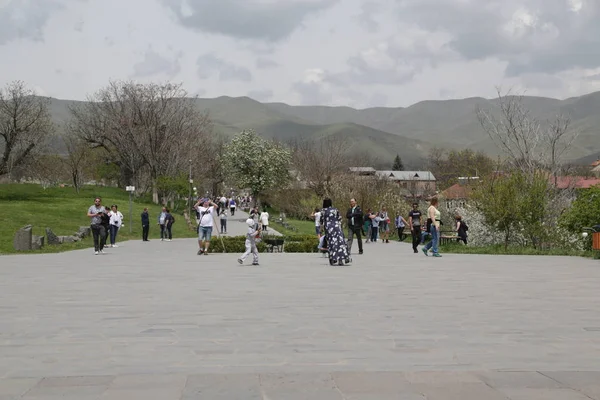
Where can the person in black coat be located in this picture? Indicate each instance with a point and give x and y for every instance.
(145, 225)
(355, 222)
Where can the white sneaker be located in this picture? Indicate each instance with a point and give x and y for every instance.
(114, 245)
(96, 253)
(169, 240)
(102, 252)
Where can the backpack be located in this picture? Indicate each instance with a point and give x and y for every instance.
(464, 226)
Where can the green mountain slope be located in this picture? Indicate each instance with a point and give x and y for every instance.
(382, 131)
(453, 123)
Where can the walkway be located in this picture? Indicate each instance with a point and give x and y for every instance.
(155, 321)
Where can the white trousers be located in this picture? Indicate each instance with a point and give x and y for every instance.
(250, 248)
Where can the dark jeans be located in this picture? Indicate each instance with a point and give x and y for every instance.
(113, 233)
(168, 231)
(416, 236)
(232, 209)
(145, 231)
(99, 233)
(400, 233)
(462, 237)
(163, 231)
(223, 225)
(355, 230)
(374, 233)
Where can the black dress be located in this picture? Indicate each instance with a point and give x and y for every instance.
(336, 242)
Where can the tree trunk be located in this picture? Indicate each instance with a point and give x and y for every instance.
(154, 191)
(506, 238)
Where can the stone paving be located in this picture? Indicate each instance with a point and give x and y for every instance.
(155, 321)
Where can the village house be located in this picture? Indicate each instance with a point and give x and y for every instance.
(416, 184)
(459, 194)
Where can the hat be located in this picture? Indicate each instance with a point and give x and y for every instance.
(250, 222)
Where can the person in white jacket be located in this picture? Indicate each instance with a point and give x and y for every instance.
(251, 237)
(116, 221)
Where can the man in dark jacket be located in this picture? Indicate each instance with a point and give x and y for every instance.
(355, 222)
(145, 225)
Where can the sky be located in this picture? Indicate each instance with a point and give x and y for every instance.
(358, 53)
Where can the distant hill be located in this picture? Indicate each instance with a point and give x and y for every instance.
(384, 132)
(453, 123)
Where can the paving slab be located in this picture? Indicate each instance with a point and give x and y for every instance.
(154, 320)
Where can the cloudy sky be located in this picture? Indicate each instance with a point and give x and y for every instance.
(359, 53)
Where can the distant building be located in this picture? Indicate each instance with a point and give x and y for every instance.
(459, 194)
(416, 184)
(363, 171)
(574, 182)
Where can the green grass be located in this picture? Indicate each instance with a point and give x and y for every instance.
(512, 250)
(64, 211)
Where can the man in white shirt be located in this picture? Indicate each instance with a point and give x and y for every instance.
(206, 217)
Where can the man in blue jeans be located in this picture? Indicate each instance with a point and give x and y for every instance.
(205, 214)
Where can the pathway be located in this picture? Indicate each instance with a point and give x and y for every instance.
(155, 321)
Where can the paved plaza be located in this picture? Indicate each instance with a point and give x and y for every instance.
(155, 321)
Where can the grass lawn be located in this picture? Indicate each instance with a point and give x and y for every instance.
(512, 250)
(64, 211)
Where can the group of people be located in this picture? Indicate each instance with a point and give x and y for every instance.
(328, 227)
(104, 222)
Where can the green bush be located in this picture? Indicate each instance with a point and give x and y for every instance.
(292, 244)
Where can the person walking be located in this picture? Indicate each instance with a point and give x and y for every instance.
(414, 223)
(169, 221)
(316, 215)
(433, 215)
(400, 223)
(162, 218)
(461, 229)
(205, 228)
(251, 237)
(264, 220)
(95, 213)
(354, 215)
(223, 219)
(116, 220)
(232, 206)
(375, 220)
(384, 227)
(336, 243)
(145, 225)
(368, 225)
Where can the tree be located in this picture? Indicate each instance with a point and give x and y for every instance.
(497, 199)
(398, 165)
(257, 164)
(584, 212)
(448, 165)
(319, 162)
(24, 124)
(528, 144)
(77, 155)
(150, 128)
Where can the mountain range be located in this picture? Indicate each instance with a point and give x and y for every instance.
(383, 132)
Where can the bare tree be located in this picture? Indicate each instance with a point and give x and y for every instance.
(150, 127)
(77, 153)
(516, 132)
(528, 144)
(24, 124)
(559, 140)
(319, 162)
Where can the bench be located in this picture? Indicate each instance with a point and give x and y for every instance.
(273, 244)
(447, 237)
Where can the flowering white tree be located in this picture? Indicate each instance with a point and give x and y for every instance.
(257, 164)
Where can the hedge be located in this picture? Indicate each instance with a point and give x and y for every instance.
(292, 244)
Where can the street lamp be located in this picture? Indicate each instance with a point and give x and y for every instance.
(190, 192)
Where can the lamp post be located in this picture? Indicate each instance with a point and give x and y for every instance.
(190, 192)
(130, 189)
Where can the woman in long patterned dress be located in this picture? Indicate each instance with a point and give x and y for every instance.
(336, 242)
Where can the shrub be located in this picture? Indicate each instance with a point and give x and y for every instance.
(292, 244)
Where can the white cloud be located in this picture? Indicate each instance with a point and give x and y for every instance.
(339, 52)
